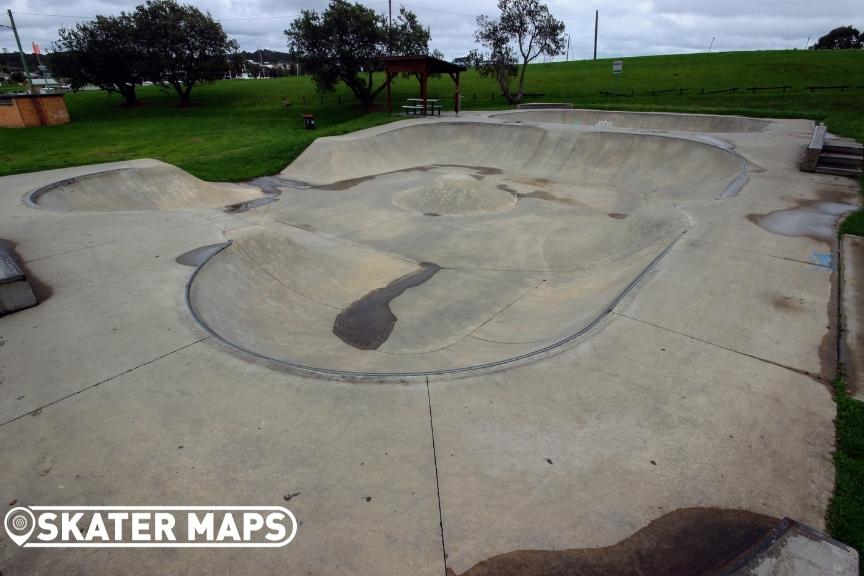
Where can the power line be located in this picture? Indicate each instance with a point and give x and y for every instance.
(439, 10)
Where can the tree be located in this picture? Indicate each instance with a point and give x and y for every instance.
(103, 52)
(181, 46)
(840, 38)
(525, 29)
(346, 42)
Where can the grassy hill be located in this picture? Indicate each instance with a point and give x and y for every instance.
(239, 129)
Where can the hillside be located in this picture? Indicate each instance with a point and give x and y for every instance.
(239, 129)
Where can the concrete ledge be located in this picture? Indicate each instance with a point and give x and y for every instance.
(554, 105)
(15, 291)
(794, 549)
(852, 313)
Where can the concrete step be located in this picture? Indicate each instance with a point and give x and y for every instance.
(843, 146)
(838, 171)
(15, 291)
(835, 159)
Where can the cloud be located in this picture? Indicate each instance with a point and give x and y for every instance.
(627, 28)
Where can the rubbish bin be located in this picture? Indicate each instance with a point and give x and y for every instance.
(309, 121)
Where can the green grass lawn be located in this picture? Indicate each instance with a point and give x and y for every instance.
(240, 129)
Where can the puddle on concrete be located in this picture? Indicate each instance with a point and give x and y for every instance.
(811, 218)
(481, 172)
(368, 322)
(198, 256)
(687, 541)
(269, 185)
(617, 215)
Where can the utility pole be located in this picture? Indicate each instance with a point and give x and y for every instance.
(596, 23)
(390, 27)
(807, 44)
(712, 44)
(568, 47)
(21, 51)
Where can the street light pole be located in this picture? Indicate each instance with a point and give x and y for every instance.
(21, 51)
(596, 24)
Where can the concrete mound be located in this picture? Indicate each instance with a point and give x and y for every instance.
(456, 195)
(639, 120)
(158, 186)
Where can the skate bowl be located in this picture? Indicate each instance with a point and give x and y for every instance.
(154, 187)
(449, 247)
(657, 121)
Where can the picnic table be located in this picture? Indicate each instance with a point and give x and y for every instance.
(422, 106)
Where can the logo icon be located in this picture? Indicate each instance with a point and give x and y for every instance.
(19, 523)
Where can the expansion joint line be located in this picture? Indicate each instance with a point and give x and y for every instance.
(816, 377)
(437, 484)
(106, 380)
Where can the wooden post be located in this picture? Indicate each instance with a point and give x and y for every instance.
(458, 104)
(423, 79)
(389, 96)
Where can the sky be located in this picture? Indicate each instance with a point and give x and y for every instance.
(626, 27)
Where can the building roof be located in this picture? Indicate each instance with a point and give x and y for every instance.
(419, 63)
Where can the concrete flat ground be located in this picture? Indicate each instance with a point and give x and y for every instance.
(474, 345)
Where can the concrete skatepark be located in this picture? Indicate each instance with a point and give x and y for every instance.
(534, 342)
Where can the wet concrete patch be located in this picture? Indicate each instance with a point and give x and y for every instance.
(480, 173)
(246, 206)
(617, 215)
(368, 322)
(537, 194)
(199, 256)
(816, 219)
(690, 541)
(269, 185)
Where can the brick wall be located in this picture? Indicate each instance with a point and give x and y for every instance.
(26, 111)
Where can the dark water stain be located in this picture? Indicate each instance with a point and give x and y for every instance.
(481, 171)
(368, 322)
(537, 194)
(41, 290)
(618, 215)
(272, 185)
(690, 541)
(198, 256)
(249, 204)
(432, 214)
(787, 303)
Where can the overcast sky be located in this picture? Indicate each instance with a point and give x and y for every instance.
(627, 27)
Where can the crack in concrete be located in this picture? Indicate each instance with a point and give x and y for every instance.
(756, 252)
(437, 484)
(696, 339)
(105, 381)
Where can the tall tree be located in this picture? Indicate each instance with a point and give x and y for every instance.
(842, 37)
(181, 46)
(524, 30)
(103, 52)
(346, 42)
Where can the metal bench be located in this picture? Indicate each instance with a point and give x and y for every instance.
(412, 109)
